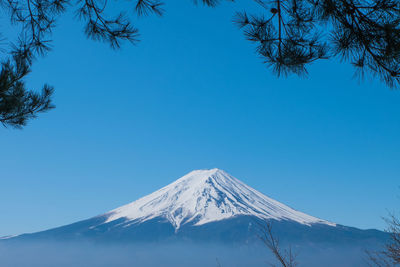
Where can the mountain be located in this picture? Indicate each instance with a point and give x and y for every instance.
(196, 202)
(212, 207)
(205, 196)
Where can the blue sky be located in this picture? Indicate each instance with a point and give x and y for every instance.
(192, 95)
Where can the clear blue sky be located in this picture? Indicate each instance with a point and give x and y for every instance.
(192, 94)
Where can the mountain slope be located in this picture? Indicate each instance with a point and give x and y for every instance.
(205, 196)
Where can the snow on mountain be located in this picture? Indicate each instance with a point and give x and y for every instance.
(204, 196)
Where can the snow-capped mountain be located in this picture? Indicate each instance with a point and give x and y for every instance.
(205, 196)
(205, 210)
(206, 206)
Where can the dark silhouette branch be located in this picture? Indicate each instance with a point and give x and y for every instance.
(365, 33)
(285, 257)
(390, 255)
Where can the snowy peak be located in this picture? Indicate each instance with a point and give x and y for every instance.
(204, 196)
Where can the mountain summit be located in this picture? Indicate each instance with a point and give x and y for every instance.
(204, 196)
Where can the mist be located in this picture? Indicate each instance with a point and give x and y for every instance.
(63, 254)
